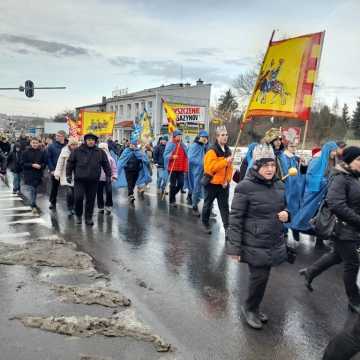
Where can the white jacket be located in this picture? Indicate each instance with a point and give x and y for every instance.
(60, 170)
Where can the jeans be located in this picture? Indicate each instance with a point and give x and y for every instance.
(221, 194)
(346, 252)
(88, 190)
(131, 178)
(103, 185)
(54, 189)
(259, 277)
(345, 344)
(176, 184)
(16, 181)
(70, 197)
(33, 195)
(161, 179)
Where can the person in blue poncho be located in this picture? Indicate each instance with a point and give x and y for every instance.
(294, 185)
(196, 155)
(315, 187)
(133, 169)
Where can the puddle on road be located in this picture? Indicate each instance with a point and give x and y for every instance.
(91, 295)
(120, 324)
(48, 251)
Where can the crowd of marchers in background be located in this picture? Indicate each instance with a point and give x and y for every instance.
(272, 202)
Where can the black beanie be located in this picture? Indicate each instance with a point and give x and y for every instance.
(350, 154)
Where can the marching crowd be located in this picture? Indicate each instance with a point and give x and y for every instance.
(267, 206)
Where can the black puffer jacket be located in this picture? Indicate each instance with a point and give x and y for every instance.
(256, 233)
(343, 199)
(86, 163)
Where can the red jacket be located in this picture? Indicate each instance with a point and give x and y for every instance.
(181, 163)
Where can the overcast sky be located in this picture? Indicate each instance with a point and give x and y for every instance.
(94, 46)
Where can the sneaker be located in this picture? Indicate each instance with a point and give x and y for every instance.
(251, 319)
(355, 308)
(207, 228)
(101, 211)
(78, 219)
(196, 212)
(89, 222)
(131, 198)
(305, 273)
(52, 207)
(70, 213)
(262, 316)
(35, 211)
(173, 204)
(14, 192)
(108, 210)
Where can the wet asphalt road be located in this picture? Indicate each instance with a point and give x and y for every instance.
(191, 292)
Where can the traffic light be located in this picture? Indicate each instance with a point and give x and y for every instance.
(29, 88)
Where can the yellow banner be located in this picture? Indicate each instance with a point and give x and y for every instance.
(98, 123)
(286, 81)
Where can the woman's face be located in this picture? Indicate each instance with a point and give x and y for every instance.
(222, 138)
(355, 164)
(268, 170)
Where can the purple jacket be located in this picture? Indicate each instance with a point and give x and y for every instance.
(112, 166)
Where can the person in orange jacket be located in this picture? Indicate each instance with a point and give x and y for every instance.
(218, 168)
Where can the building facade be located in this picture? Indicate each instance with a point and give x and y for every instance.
(190, 102)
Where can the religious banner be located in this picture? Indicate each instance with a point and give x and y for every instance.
(146, 130)
(98, 123)
(73, 127)
(291, 135)
(285, 84)
(170, 116)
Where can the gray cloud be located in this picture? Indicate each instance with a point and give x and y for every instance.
(48, 47)
(243, 61)
(170, 69)
(340, 88)
(200, 52)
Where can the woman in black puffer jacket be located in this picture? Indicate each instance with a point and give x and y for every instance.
(256, 234)
(343, 199)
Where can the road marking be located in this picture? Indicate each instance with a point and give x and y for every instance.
(12, 235)
(20, 214)
(27, 221)
(16, 208)
(11, 199)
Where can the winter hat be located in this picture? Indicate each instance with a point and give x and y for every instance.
(350, 154)
(90, 136)
(73, 141)
(165, 137)
(315, 150)
(271, 135)
(177, 133)
(262, 154)
(203, 133)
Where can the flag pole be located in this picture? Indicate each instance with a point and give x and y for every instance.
(315, 80)
(252, 96)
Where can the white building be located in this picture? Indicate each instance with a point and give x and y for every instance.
(190, 102)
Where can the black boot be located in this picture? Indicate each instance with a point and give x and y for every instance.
(305, 273)
(78, 219)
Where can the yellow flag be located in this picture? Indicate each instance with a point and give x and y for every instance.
(171, 117)
(286, 81)
(98, 123)
(145, 135)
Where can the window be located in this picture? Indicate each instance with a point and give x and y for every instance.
(121, 110)
(128, 110)
(150, 105)
(111, 108)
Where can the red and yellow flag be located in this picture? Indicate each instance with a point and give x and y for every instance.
(73, 127)
(171, 117)
(285, 84)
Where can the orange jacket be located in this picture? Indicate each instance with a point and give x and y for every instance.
(218, 167)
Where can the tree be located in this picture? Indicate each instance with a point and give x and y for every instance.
(227, 102)
(345, 116)
(244, 84)
(355, 121)
(62, 117)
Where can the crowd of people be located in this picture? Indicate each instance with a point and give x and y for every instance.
(268, 204)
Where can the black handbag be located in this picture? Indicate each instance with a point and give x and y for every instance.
(324, 222)
(205, 180)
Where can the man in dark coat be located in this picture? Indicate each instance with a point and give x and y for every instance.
(33, 162)
(14, 165)
(86, 163)
(158, 157)
(53, 153)
(343, 199)
(256, 232)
